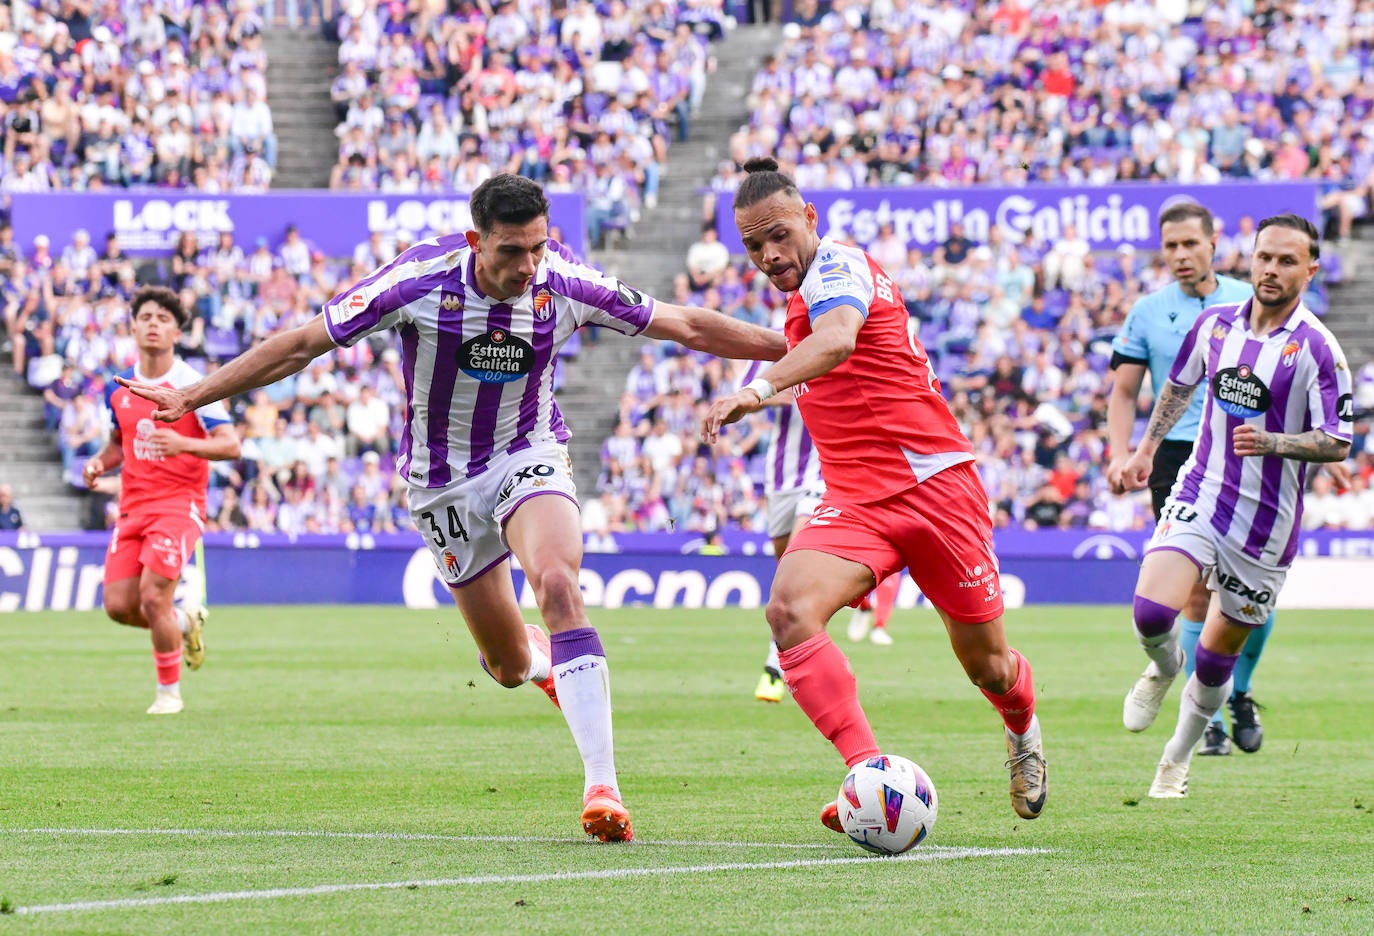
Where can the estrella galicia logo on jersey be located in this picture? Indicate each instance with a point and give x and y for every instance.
(627, 295)
(1345, 408)
(1240, 393)
(496, 357)
(450, 301)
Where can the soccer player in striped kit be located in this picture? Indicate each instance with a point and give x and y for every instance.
(1149, 340)
(481, 317)
(1278, 397)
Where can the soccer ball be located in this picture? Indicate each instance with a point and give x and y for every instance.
(887, 804)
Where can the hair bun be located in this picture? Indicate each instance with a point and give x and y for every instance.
(761, 164)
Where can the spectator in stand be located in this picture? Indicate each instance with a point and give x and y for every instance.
(10, 517)
(707, 258)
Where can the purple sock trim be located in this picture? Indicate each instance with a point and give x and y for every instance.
(1213, 669)
(569, 645)
(1153, 619)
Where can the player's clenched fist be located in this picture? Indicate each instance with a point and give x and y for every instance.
(1135, 474)
(1251, 440)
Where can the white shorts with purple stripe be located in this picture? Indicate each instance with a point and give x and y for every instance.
(788, 506)
(1246, 588)
(464, 524)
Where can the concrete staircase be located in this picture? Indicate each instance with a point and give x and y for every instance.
(301, 65)
(1349, 317)
(30, 462)
(655, 250)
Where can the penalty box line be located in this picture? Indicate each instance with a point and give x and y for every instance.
(944, 854)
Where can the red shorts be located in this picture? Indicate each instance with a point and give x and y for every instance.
(160, 542)
(939, 530)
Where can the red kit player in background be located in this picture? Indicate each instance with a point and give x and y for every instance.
(901, 488)
(162, 494)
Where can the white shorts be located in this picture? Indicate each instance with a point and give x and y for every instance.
(1246, 588)
(785, 508)
(464, 524)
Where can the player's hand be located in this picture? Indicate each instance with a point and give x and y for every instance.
(1114, 469)
(166, 443)
(171, 403)
(1135, 474)
(92, 472)
(1251, 440)
(728, 409)
(1339, 473)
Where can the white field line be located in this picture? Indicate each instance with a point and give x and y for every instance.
(411, 837)
(920, 854)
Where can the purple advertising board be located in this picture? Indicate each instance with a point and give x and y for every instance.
(149, 222)
(1106, 216)
(63, 572)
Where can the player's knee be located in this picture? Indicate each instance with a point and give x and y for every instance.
(1153, 619)
(121, 611)
(1214, 669)
(153, 604)
(993, 672)
(791, 618)
(556, 590)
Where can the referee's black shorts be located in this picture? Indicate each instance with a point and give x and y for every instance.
(1169, 457)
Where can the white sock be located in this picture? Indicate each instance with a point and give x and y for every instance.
(183, 620)
(170, 689)
(539, 664)
(1163, 649)
(772, 661)
(584, 692)
(1195, 709)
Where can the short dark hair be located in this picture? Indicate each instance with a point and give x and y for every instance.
(762, 180)
(1297, 223)
(160, 296)
(1185, 211)
(507, 198)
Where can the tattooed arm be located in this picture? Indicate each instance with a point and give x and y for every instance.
(1312, 446)
(1169, 408)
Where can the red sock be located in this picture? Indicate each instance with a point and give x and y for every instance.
(823, 685)
(1017, 705)
(168, 666)
(885, 599)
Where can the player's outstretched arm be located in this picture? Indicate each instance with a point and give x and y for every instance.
(1311, 446)
(715, 333)
(282, 355)
(830, 344)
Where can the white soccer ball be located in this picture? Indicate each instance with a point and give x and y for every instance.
(887, 804)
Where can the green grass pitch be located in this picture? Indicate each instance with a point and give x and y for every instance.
(351, 770)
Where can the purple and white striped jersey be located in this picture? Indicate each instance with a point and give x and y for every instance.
(478, 373)
(1292, 380)
(791, 461)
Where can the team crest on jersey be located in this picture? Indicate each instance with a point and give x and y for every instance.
(1240, 393)
(1290, 353)
(542, 309)
(450, 301)
(450, 562)
(1219, 332)
(496, 357)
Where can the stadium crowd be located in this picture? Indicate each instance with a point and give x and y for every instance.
(1018, 331)
(579, 97)
(146, 93)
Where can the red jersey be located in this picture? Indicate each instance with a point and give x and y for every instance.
(879, 422)
(150, 483)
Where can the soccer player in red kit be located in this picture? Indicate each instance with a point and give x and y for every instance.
(901, 488)
(162, 494)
